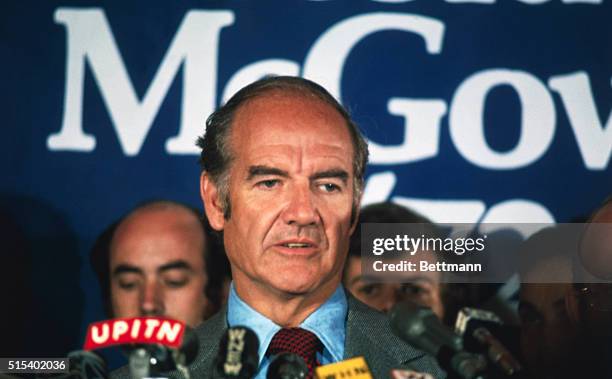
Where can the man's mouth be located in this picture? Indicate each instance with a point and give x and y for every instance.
(296, 245)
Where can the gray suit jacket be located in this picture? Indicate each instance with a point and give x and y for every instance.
(368, 334)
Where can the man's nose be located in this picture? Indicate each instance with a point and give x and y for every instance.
(390, 298)
(151, 302)
(301, 209)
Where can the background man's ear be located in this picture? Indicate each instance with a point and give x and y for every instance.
(212, 203)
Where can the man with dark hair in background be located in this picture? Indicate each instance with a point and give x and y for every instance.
(548, 337)
(161, 259)
(590, 301)
(424, 288)
(283, 171)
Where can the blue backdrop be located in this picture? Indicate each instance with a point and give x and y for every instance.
(477, 110)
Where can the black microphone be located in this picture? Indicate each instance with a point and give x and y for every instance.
(89, 364)
(287, 366)
(83, 364)
(238, 355)
(478, 327)
(152, 359)
(188, 351)
(419, 326)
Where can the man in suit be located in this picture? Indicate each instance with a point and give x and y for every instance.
(283, 172)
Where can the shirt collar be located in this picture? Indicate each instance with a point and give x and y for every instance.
(327, 322)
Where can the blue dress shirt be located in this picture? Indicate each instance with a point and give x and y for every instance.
(327, 323)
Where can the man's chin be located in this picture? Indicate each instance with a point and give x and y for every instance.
(293, 288)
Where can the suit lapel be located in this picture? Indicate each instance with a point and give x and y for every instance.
(368, 334)
(209, 336)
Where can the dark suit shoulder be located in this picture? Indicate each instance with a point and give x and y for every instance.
(209, 335)
(369, 334)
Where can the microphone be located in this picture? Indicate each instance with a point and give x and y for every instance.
(151, 359)
(419, 326)
(467, 314)
(188, 351)
(155, 344)
(349, 368)
(139, 363)
(88, 364)
(287, 366)
(136, 330)
(84, 365)
(476, 327)
(238, 355)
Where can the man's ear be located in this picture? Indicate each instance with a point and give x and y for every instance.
(212, 203)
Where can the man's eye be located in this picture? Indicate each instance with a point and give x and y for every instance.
(268, 184)
(176, 283)
(329, 187)
(412, 290)
(369, 289)
(127, 284)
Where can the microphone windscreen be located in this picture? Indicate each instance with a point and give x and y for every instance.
(238, 355)
(287, 366)
(420, 327)
(189, 347)
(87, 364)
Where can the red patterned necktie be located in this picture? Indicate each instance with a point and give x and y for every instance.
(297, 341)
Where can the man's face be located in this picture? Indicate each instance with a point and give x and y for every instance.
(291, 196)
(157, 268)
(547, 334)
(596, 245)
(596, 254)
(548, 337)
(422, 288)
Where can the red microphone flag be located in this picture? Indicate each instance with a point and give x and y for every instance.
(137, 330)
